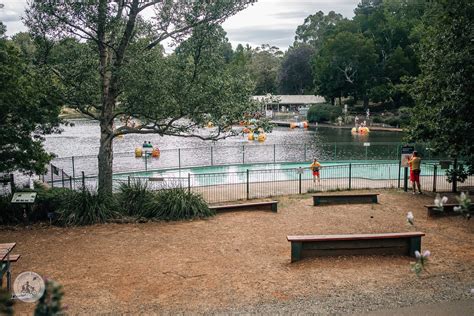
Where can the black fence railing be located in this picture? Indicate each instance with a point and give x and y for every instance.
(220, 155)
(253, 184)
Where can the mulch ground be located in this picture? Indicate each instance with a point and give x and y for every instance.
(236, 261)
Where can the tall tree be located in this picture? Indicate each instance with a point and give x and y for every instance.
(264, 66)
(295, 75)
(316, 28)
(345, 66)
(118, 37)
(29, 108)
(444, 111)
(390, 24)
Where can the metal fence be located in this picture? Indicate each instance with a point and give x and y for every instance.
(252, 184)
(219, 155)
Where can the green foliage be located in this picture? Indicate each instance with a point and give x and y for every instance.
(85, 208)
(9, 213)
(295, 75)
(390, 26)
(323, 113)
(166, 204)
(465, 205)
(459, 173)
(179, 204)
(29, 108)
(6, 303)
(47, 200)
(444, 115)
(264, 67)
(137, 200)
(345, 65)
(316, 28)
(421, 262)
(50, 303)
(108, 62)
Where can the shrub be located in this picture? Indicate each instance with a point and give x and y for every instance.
(178, 204)
(50, 302)
(136, 200)
(323, 113)
(377, 119)
(350, 101)
(85, 208)
(47, 200)
(9, 213)
(6, 303)
(393, 121)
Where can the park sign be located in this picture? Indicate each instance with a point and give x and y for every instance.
(24, 197)
(407, 151)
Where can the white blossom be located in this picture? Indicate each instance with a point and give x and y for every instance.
(410, 218)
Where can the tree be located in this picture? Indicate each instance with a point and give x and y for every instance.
(295, 75)
(117, 37)
(29, 108)
(316, 28)
(390, 25)
(264, 65)
(444, 111)
(345, 66)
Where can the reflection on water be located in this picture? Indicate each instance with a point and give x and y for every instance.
(83, 139)
(282, 145)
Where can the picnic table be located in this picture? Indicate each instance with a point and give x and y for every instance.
(5, 268)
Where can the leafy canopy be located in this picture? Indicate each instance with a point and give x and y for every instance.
(29, 108)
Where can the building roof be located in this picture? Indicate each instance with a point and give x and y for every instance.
(294, 99)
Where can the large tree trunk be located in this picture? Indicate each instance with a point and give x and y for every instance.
(105, 157)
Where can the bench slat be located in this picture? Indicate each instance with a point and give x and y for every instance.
(445, 205)
(13, 258)
(309, 238)
(343, 195)
(355, 244)
(448, 210)
(271, 204)
(319, 199)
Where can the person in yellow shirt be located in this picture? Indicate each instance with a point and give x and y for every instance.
(415, 170)
(315, 167)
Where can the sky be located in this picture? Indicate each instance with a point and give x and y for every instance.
(271, 22)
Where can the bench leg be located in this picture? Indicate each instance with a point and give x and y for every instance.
(275, 208)
(316, 201)
(296, 251)
(415, 245)
(9, 280)
(374, 199)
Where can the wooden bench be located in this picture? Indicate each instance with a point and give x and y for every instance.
(270, 205)
(448, 210)
(13, 258)
(320, 199)
(356, 244)
(6, 258)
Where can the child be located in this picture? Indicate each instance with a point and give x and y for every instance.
(415, 170)
(315, 167)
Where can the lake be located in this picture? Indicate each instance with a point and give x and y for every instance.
(282, 145)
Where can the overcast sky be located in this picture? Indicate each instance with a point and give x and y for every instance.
(266, 22)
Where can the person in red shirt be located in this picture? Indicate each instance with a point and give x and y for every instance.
(415, 170)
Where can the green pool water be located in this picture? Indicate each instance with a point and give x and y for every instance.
(376, 170)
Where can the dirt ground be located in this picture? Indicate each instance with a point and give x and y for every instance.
(235, 261)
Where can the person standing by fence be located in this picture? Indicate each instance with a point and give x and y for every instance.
(415, 170)
(315, 167)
